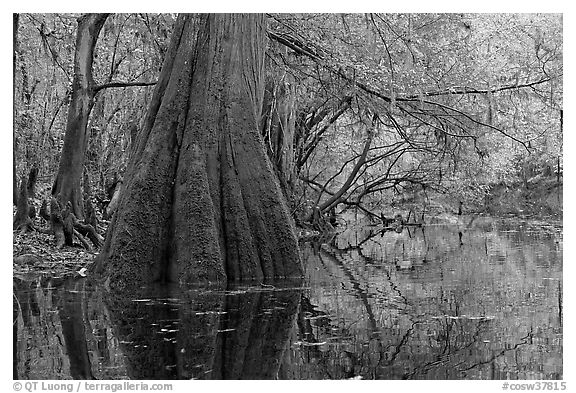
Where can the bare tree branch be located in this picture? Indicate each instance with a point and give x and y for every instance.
(121, 84)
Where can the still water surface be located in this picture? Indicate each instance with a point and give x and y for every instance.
(475, 299)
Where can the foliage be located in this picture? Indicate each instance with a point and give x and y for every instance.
(131, 49)
(452, 94)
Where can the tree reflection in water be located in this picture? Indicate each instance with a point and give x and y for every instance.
(444, 302)
(238, 334)
(161, 332)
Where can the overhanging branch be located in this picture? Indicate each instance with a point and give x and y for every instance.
(121, 84)
(471, 90)
(299, 47)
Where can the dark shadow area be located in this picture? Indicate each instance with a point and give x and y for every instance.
(71, 313)
(174, 334)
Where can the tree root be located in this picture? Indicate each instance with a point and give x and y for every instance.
(65, 226)
(82, 240)
(320, 222)
(44, 211)
(57, 223)
(25, 226)
(90, 232)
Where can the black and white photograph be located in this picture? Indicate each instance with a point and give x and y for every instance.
(287, 196)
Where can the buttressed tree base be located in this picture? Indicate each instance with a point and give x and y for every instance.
(201, 202)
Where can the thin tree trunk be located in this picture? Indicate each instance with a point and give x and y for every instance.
(31, 184)
(90, 218)
(22, 219)
(15, 21)
(310, 146)
(67, 184)
(201, 202)
(113, 204)
(278, 125)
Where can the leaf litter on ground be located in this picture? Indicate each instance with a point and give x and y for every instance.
(36, 253)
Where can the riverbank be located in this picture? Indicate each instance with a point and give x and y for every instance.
(539, 198)
(35, 253)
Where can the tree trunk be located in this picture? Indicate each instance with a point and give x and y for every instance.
(90, 218)
(200, 202)
(67, 184)
(31, 184)
(57, 222)
(22, 219)
(277, 124)
(15, 20)
(113, 204)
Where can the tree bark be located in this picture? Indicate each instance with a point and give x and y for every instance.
(65, 226)
(90, 218)
(57, 222)
(278, 125)
(200, 201)
(22, 219)
(67, 184)
(44, 211)
(31, 184)
(15, 21)
(113, 204)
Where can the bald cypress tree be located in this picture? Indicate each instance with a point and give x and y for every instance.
(201, 201)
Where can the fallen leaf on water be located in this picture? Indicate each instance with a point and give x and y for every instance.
(82, 272)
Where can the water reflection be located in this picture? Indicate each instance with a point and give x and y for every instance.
(156, 333)
(479, 299)
(238, 334)
(71, 315)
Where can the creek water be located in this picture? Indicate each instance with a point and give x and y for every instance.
(477, 298)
